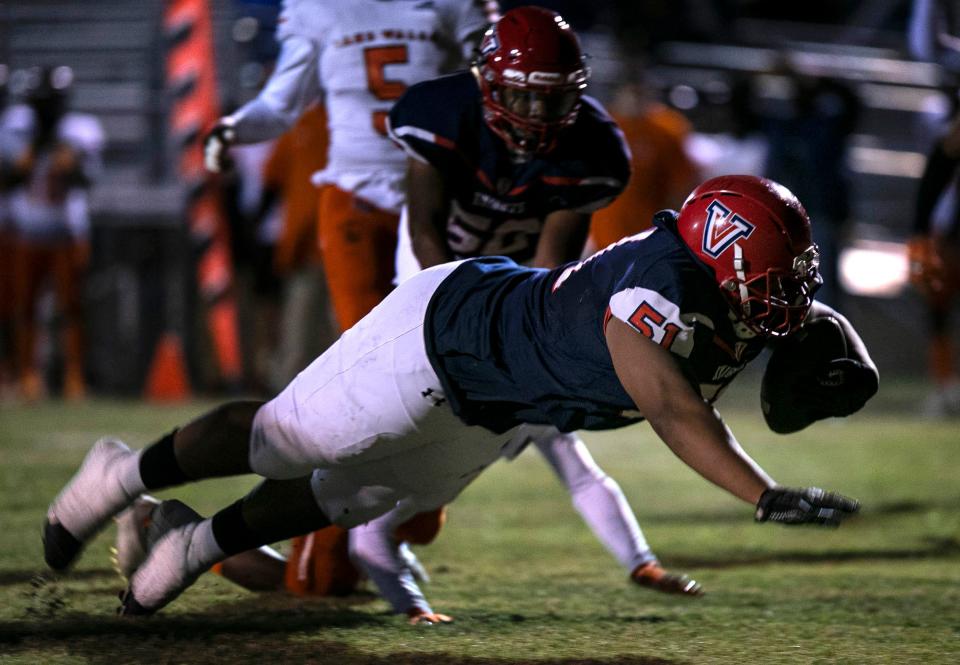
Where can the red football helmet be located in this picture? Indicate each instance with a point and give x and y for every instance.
(531, 73)
(755, 236)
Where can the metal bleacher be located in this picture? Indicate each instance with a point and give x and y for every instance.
(116, 51)
(902, 100)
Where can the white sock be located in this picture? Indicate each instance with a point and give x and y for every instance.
(128, 474)
(203, 550)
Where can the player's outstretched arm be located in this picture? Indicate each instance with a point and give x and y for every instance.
(692, 430)
(697, 435)
(291, 88)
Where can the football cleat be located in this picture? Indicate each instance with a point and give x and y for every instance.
(652, 575)
(166, 572)
(131, 547)
(86, 503)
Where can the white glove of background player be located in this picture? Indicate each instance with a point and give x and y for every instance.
(216, 146)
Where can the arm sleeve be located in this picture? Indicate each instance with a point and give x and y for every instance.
(292, 87)
(373, 548)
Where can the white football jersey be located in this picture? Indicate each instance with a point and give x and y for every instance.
(29, 207)
(362, 54)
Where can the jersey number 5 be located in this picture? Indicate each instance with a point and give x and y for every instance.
(650, 323)
(374, 60)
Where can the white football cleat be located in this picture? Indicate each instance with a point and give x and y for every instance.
(168, 569)
(86, 504)
(132, 544)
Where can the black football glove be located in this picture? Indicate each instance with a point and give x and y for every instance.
(808, 505)
(216, 146)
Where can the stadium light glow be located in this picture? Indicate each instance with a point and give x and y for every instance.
(874, 268)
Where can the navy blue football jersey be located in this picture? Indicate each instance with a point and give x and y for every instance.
(524, 345)
(499, 205)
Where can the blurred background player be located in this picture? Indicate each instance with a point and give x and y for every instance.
(512, 159)
(934, 248)
(360, 57)
(934, 255)
(255, 219)
(739, 146)
(7, 375)
(515, 159)
(305, 327)
(661, 171)
(808, 138)
(273, 212)
(52, 156)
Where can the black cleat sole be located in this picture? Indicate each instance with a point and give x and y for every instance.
(60, 548)
(129, 607)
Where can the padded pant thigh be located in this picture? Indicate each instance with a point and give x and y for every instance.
(363, 399)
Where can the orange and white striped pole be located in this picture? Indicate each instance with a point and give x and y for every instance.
(191, 79)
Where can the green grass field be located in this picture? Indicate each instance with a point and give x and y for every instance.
(523, 576)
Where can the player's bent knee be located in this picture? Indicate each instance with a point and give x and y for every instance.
(346, 501)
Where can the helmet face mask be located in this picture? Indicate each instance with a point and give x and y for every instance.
(531, 74)
(755, 237)
(775, 303)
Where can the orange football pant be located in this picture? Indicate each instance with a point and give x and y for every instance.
(357, 245)
(33, 264)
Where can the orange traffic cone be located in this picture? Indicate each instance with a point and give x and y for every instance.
(167, 379)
